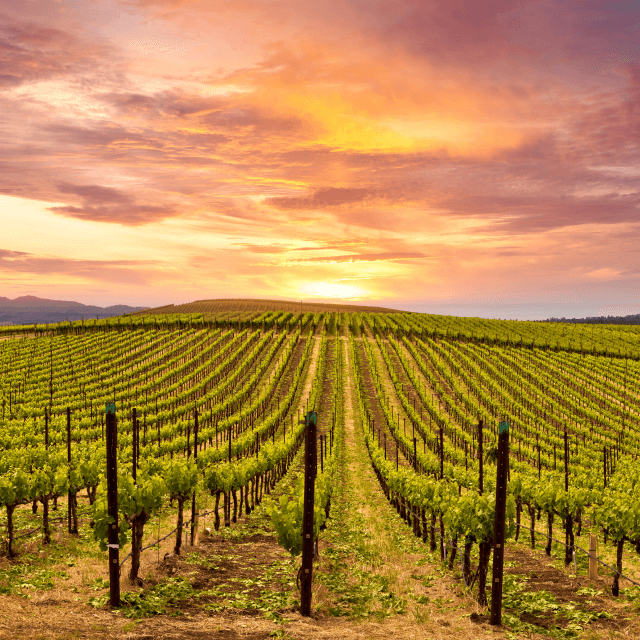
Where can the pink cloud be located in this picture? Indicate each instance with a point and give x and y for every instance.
(30, 52)
(131, 215)
(128, 272)
(322, 198)
(94, 193)
(106, 204)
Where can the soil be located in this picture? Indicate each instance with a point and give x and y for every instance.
(541, 575)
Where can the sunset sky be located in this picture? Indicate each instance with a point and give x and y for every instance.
(446, 156)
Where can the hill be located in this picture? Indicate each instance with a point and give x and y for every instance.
(243, 305)
(34, 310)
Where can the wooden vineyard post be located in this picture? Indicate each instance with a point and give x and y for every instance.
(499, 522)
(593, 557)
(539, 464)
(307, 514)
(112, 505)
(569, 549)
(69, 463)
(441, 453)
(566, 460)
(194, 508)
(133, 445)
(480, 478)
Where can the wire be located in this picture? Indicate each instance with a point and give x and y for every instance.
(40, 528)
(575, 546)
(153, 544)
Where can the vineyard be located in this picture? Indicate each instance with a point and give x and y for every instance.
(211, 404)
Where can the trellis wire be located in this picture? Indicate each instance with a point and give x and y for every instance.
(575, 546)
(153, 544)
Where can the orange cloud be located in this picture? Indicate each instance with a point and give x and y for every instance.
(115, 271)
(405, 257)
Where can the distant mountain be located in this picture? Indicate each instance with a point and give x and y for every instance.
(33, 310)
(631, 319)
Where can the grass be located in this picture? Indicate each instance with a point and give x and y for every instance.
(372, 566)
(568, 619)
(150, 602)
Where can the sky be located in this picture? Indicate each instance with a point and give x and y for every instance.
(440, 156)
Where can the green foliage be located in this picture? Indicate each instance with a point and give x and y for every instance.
(15, 488)
(25, 578)
(180, 477)
(133, 499)
(619, 512)
(287, 514)
(570, 618)
(50, 480)
(286, 517)
(151, 602)
(90, 460)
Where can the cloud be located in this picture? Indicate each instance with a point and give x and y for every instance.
(5, 254)
(131, 103)
(173, 138)
(128, 272)
(258, 248)
(335, 244)
(131, 215)
(322, 198)
(30, 52)
(369, 257)
(217, 118)
(523, 215)
(106, 204)
(103, 139)
(489, 38)
(606, 274)
(94, 193)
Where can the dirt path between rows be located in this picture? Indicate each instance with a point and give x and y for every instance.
(373, 571)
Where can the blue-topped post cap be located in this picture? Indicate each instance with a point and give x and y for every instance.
(312, 418)
(111, 407)
(503, 427)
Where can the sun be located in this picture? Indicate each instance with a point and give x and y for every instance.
(332, 290)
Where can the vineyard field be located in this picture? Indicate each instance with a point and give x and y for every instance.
(210, 403)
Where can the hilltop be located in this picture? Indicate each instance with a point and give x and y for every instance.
(244, 305)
